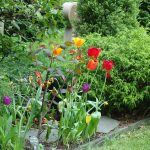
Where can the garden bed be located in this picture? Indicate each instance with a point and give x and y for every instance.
(126, 124)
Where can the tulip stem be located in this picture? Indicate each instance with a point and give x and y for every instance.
(103, 87)
(43, 100)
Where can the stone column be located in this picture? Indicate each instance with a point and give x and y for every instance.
(69, 11)
(1, 27)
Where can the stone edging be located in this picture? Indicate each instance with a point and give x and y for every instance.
(115, 133)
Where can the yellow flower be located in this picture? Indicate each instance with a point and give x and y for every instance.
(30, 78)
(50, 81)
(78, 42)
(105, 103)
(57, 51)
(88, 118)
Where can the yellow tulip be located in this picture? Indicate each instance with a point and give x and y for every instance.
(78, 42)
(105, 103)
(88, 118)
(57, 51)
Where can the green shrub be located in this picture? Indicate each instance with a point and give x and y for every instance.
(130, 79)
(31, 19)
(107, 17)
(144, 15)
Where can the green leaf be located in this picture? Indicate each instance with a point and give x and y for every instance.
(60, 58)
(49, 129)
(38, 94)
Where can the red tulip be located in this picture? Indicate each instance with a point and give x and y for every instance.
(108, 65)
(94, 52)
(108, 76)
(92, 64)
(39, 82)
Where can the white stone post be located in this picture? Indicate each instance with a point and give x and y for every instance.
(70, 14)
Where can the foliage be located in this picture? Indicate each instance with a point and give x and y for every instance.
(9, 138)
(144, 14)
(31, 19)
(107, 17)
(129, 85)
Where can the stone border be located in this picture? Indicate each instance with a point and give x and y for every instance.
(115, 133)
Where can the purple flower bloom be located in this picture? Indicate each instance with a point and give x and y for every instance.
(85, 87)
(6, 100)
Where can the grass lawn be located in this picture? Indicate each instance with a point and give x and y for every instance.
(135, 140)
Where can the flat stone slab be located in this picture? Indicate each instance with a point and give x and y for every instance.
(52, 138)
(107, 124)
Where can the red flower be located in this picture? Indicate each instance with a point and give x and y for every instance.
(39, 82)
(92, 64)
(108, 76)
(94, 52)
(108, 65)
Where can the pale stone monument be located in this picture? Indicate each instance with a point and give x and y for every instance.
(70, 14)
(1, 27)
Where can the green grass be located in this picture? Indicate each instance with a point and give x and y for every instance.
(135, 140)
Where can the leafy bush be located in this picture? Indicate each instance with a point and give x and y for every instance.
(28, 19)
(130, 81)
(144, 15)
(107, 17)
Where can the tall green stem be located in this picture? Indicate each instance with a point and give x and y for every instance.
(43, 100)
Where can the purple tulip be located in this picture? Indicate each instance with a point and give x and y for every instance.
(85, 87)
(6, 100)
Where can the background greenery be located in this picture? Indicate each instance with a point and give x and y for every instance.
(107, 17)
(129, 84)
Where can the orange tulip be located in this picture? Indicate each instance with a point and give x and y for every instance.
(78, 42)
(92, 64)
(57, 51)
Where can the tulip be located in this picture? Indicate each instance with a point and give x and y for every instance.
(78, 42)
(94, 52)
(6, 100)
(85, 87)
(107, 65)
(88, 118)
(57, 51)
(108, 76)
(92, 64)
